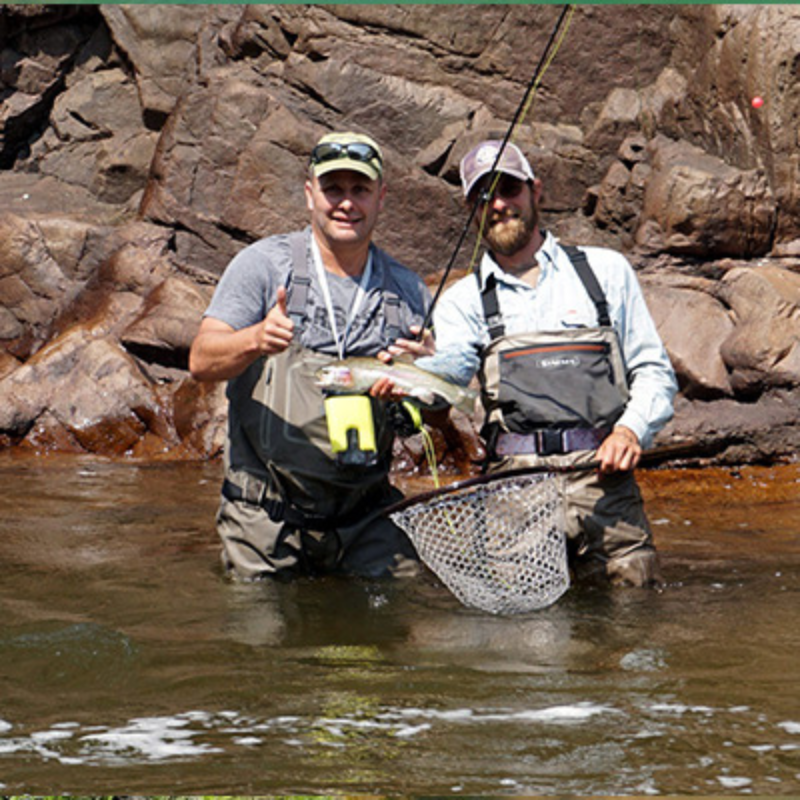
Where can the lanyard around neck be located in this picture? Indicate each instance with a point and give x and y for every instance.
(361, 292)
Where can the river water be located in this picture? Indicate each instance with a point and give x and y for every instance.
(128, 663)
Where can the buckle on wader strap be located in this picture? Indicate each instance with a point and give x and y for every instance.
(254, 492)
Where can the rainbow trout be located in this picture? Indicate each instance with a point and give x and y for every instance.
(356, 375)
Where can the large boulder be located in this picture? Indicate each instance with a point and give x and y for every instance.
(697, 205)
(763, 349)
(694, 324)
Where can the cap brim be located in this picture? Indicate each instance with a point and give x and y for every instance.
(514, 173)
(337, 164)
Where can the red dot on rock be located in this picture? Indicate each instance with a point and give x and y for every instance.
(757, 102)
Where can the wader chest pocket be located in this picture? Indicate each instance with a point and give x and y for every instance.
(559, 385)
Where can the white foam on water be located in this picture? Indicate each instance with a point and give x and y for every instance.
(731, 782)
(572, 713)
(576, 712)
(456, 714)
(790, 727)
(248, 741)
(197, 734)
(50, 736)
(154, 738)
(680, 708)
(412, 730)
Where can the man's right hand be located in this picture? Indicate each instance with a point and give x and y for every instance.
(277, 329)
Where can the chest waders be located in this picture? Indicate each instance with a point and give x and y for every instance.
(550, 399)
(551, 393)
(282, 415)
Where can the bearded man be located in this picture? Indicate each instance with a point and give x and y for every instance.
(572, 369)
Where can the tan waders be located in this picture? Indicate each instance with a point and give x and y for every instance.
(551, 399)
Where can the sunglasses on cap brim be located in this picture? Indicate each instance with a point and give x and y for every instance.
(355, 151)
(486, 188)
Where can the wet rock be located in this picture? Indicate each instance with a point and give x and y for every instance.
(90, 388)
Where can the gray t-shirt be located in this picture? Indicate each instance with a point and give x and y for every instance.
(247, 291)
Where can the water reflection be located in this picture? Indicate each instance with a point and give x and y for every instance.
(126, 657)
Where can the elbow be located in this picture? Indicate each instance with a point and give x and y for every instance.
(198, 368)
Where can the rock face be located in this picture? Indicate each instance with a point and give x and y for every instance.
(142, 146)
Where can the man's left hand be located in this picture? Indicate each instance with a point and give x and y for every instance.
(620, 451)
(419, 346)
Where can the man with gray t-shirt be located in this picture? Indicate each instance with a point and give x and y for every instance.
(293, 502)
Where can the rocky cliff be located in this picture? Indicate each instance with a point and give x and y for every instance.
(141, 146)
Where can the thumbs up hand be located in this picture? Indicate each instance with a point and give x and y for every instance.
(277, 329)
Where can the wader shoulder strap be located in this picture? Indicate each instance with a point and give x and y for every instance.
(391, 301)
(392, 312)
(589, 280)
(300, 281)
(491, 308)
(390, 297)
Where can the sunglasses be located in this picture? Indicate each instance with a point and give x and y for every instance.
(356, 151)
(507, 186)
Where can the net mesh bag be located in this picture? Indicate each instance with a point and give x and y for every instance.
(499, 546)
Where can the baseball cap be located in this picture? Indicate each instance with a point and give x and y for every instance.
(348, 150)
(480, 160)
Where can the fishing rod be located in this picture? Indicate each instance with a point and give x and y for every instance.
(541, 67)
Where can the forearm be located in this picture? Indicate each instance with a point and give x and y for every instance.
(219, 355)
(650, 406)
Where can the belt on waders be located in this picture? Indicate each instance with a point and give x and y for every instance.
(254, 493)
(549, 442)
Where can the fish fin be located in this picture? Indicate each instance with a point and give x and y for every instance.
(466, 401)
(404, 358)
(425, 395)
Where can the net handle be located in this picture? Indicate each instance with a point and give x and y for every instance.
(648, 456)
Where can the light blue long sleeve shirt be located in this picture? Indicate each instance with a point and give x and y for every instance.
(560, 302)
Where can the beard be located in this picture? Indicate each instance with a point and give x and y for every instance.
(509, 233)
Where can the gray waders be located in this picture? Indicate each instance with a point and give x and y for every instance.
(302, 511)
(550, 400)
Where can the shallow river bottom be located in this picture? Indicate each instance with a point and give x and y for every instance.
(129, 664)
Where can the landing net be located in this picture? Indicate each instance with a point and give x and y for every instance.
(498, 546)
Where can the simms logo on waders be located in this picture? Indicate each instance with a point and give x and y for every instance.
(559, 362)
